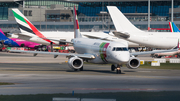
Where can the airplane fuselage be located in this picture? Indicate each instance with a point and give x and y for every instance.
(104, 51)
(68, 36)
(165, 40)
(15, 42)
(168, 53)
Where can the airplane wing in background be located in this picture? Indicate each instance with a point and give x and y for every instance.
(95, 37)
(22, 35)
(151, 52)
(121, 34)
(157, 51)
(58, 40)
(83, 56)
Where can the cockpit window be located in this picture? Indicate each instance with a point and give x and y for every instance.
(120, 49)
(114, 49)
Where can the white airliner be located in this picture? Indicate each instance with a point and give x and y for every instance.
(98, 51)
(126, 30)
(31, 33)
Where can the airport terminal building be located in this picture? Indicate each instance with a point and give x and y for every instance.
(56, 15)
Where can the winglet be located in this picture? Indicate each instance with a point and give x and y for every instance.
(1, 31)
(26, 26)
(173, 27)
(2, 35)
(77, 33)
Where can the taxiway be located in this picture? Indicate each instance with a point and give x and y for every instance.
(48, 76)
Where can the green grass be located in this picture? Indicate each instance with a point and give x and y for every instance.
(5, 83)
(167, 65)
(119, 96)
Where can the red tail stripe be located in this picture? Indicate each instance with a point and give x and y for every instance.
(37, 32)
(77, 25)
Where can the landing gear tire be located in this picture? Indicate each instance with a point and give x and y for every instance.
(112, 67)
(155, 56)
(81, 69)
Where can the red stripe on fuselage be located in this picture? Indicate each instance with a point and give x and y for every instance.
(37, 32)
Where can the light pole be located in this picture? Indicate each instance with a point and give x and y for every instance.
(148, 14)
(172, 11)
(40, 14)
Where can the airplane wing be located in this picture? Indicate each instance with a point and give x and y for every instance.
(83, 56)
(151, 52)
(121, 34)
(95, 37)
(24, 35)
(59, 40)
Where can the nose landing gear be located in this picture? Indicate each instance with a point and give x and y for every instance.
(118, 70)
(117, 67)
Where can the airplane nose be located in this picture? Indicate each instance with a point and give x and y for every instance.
(124, 57)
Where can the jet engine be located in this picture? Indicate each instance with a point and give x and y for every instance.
(75, 63)
(133, 63)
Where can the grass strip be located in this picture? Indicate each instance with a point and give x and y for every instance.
(167, 65)
(119, 96)
(6, 83)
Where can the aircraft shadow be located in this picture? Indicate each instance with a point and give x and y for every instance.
(129, 71)
(98, 71)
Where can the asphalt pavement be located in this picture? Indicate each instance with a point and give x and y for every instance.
(48, 76)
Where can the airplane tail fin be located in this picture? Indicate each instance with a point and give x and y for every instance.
(26, 26)
(23, 22)
(77, 33)
(173, 27)
(2, 35)
(121, 23)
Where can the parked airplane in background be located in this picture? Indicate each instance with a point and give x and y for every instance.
(97, 51)
(31, 33)
(173, 27)
(125, 29)
(159, 55)
(15, 42)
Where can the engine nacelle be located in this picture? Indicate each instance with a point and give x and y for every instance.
(133, 63)
(75, 63)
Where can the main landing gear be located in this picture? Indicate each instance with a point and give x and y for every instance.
(117, 67)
